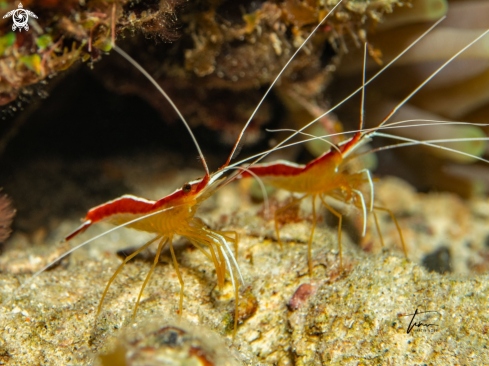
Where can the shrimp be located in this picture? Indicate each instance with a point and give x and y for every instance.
(325, 176)
(329, 174)
(170, 216)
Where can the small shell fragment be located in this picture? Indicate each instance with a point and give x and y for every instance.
(301, 295)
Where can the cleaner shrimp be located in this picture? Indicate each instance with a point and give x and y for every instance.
(325, 176)
(174, 215)
(329, 176)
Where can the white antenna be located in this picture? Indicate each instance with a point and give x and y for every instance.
(160, 89)
(430, 77)
(274, 82)
(362, 104)
(356, 91)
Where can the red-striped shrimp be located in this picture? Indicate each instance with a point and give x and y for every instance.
(166, 218)
(328, 175)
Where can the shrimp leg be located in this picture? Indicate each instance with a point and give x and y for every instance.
(397, 225)
(213, 258)
(127, 259)
(157, 257)
(378, 229)
(340, 218)
(235, 240)
(179, 275)
(309, 244)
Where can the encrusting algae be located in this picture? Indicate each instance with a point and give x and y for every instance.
(68, 31)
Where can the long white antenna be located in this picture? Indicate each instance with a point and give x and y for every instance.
(356, 91)
(430, 77)
(367, 130)
(160, 89)
(431, 143)
(362, 104)
(275, 81)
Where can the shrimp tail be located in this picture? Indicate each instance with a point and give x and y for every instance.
(80, 230)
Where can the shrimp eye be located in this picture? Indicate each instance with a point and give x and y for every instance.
(186, 188)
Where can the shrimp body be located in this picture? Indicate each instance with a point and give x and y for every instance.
(177, 211)
(322, 175)
(167, 217)
(326, 175)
